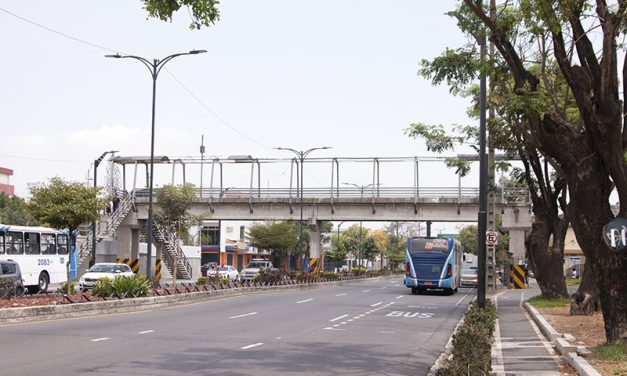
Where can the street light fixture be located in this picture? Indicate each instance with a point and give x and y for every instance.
(301, 156)
(361, 188)
(93, 224)
(154, 67)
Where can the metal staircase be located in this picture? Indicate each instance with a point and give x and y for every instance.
(105, 228)
(173, 253)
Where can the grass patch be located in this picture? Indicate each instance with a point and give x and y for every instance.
(540, 301)
(573, 281)
(613, 352)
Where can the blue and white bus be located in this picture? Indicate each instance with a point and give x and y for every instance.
(41, 253)
(433, 264)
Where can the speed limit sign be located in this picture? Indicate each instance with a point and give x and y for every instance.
(491, 238)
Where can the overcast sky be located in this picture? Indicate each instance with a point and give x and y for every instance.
(277, 73)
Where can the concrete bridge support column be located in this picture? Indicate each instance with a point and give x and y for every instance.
(123, 237)
(517, 244)
(135, 243)
(314, 240)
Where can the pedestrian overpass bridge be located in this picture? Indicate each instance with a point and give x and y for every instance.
(292, 201)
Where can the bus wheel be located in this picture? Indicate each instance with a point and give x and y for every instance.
(44, 280)
(414, 290)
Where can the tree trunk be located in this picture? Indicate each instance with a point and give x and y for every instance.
(589, 211)
(586, 300)
(546, 262)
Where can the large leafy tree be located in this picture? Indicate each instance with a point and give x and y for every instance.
(370, 249)
(14, 211)
(202, 12)
(509, 128)
(65, 205)
(587, 150)
(278, 237)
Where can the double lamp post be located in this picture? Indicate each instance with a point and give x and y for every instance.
(154, 67)
(301, 155)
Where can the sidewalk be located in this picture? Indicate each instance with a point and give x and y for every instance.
(526, 344)
(519, 347)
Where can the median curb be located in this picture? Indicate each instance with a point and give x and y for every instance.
(86, 309)
(562, 343)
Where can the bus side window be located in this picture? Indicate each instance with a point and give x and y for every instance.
(14, 243)
(62, 244)
(48, 244)
(1, 243)
(32, 243)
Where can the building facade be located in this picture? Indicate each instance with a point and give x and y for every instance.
(5, 183)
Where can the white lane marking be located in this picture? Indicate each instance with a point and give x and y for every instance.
(330, 328)
(376, 304)
(400, 296)
(340, 294)
(384, 287)
(279, 338)
(366, 291)
(244, 315)
(251, 346)
(387, 332)
(338, 318)
(146, 331)
(460, 300)
(304, 301)
(100, 339)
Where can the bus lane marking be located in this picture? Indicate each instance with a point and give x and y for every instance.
(419, 315)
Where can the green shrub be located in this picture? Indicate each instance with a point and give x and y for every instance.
(8, 287)
(270, 275)
(224, 281)
(472, 344)
(359, 270)
(330, 275)
(201, 281)
(63, 287)
(544, 302)
(122, 287)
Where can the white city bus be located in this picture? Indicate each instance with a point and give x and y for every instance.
(41, 253)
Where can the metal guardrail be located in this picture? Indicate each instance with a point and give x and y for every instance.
(507, 196)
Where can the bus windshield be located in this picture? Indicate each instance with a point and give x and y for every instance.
(429, 245)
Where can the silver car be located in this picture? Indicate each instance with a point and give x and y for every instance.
(11, 282)
(470, 276)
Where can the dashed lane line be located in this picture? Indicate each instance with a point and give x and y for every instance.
(376, 304)
(338, 318)
(146, 332)
(244, 315)
(340, 294)
(251, 346)
(400, 296)
(366, 291)
(100, 339)
(304, 301)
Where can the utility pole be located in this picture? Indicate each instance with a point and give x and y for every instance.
(491, 250)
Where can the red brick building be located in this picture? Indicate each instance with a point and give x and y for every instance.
(5, 187)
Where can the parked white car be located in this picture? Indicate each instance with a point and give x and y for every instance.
(227, 271)
(252, 269)
(102, 270)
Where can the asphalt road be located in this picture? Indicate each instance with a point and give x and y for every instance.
(371, 327)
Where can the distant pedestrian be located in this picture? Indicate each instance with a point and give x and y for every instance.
(574, 274)
(116, 203)
(526, 275)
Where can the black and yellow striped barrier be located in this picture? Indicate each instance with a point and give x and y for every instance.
(517, 277)
(314, 265)
(133, 263)
(158, 269)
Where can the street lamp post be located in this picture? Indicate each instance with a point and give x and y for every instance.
(361, 189)
(154, 67)
(93, 224)
(301, 156)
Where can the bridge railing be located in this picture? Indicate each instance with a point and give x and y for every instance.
(506, 195)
